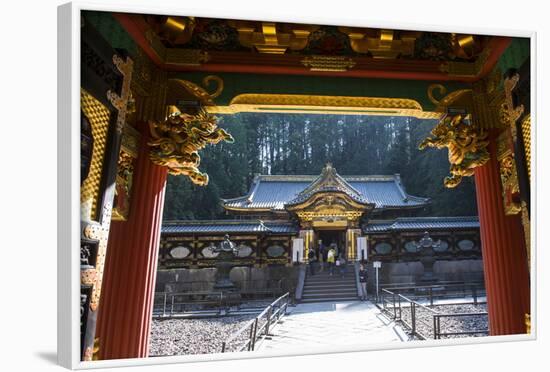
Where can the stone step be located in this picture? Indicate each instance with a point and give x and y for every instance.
(323, 275)
(332, 299)
(330, 293)
(329, 282)
(335, 275)
(349, 271)
(331, 285)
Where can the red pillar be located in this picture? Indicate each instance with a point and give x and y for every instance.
(504, 253)
(126, 304)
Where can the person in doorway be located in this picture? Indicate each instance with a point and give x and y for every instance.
(363, 282)
(335, 246)
(331, 258)
(342, 265)
(322, 256)
(311, 262)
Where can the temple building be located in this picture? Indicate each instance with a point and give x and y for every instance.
(283, 217)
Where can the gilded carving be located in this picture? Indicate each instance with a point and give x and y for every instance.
(466, 69)
(177, 30)
(98, 116)
(443, 103)
(120, 102)
(129, 150)
(487, 98)
(508, 174)
(92, 353)
(176, 56)
(509, 114)
(272, 38)
(177, 140)
(526, 135)
(381, 43)
(328, 63)
(344, 105)
(93, 275)
(200, 93)
(328, 201)
(467, 146)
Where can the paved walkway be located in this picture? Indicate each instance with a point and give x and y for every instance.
(331, 324)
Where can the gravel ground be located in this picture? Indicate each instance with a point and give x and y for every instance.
(424, 320)
(193, 336)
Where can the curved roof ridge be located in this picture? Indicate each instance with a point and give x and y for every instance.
(458, 218)
(369, 177)
(273, 192)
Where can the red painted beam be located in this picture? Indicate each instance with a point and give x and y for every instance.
(138, 34)
(498, 45)
(403, 70)
(288, 70)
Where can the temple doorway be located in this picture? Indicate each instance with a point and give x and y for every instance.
(326, 238)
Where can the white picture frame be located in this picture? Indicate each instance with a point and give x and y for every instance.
(68, 177)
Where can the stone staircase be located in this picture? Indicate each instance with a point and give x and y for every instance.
(322, 287)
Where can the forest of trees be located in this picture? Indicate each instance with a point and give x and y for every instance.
(270, 143)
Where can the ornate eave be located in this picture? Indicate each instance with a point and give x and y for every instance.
(329, 201)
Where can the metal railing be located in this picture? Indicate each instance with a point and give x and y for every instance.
(437, 325)
(170, 303)
(245, 286)
(257, 327)
(439, 290)
(413, 315)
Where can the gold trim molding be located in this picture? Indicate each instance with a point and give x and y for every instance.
(314, 104)
(328, 63)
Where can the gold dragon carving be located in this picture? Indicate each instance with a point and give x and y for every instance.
(176, 141)
(467, 146)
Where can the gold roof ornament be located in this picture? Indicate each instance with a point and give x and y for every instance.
(381, 43)
(272, 38)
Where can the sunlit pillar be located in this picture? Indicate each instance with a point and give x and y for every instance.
(504, 253)
(129, 280)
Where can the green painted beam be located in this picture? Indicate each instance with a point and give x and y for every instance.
(240, 83)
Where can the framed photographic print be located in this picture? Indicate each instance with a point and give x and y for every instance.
(241, 187)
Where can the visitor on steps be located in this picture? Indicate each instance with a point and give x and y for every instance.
(341, 263)
(311, 262)
(363, 282)
(322, 256)
(331, 258)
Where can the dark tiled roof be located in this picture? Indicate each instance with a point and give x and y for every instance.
(328, 181)
(273, 192)
(228, 227)
(422, 223)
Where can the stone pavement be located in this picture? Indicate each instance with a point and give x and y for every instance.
(332, 324)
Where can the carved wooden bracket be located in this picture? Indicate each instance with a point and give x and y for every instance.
(465, 141)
